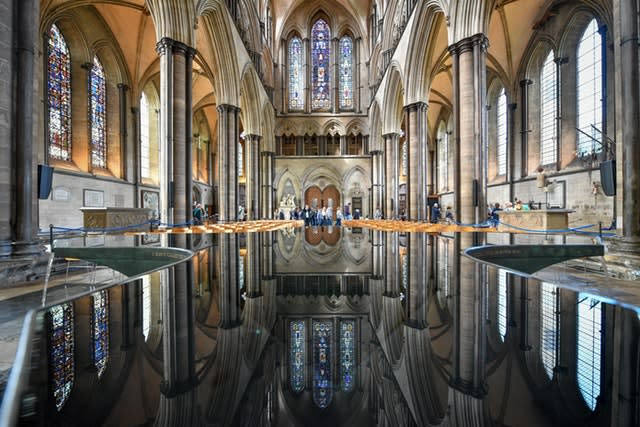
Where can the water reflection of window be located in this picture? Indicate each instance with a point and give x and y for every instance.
(62, 352)
(502, 303)
(589, 348)
(146, 306)
(405, 272)
(322, 386)
(100, 327)
(549, 327)
(347, 354)
(241, 279)
(298, 355)
(443, 269)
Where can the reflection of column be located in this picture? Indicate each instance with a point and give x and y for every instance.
(228, 137)
(416, 125)
(393, 268)
(254, 255)
(176, 60)
(469, 300)
(418, 274)
(25, 221)
(470, 128)
(177, 333)
(229, 292)
(391, 175)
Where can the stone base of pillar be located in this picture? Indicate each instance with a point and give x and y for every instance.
(27, 248)
(6, 248)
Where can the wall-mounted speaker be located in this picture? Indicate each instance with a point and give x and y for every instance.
(45, 179)
(608, 177)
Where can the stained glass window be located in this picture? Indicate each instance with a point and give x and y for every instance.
(98, 115)
(240, 158)
(62, 352)
(346, 73)
(296, 75)
(100, 326)
(502, 133)
(320, 57)
(322, 385)
(549, 320)
(590, 89)
(145, 144)
(59, 95)
(347, 354)
(548, 111)
(298, 355)
(589, 348)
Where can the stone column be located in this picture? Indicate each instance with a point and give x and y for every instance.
(628, 116)
(335, 81)
(122, 111)
(176, 60)
(228, 136)
(416, 125)
(356, 76)
(343, 145)
(391, 175)
(267, 183)
(377, 180)
(26, 218)
(252, 147)
(524, 132)
(470, 127)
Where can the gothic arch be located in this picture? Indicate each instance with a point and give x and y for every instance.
(393, 100)
(249, 100)
(468, 18)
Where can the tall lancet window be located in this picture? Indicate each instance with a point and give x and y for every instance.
(502, 133)
(98, 115)
(100, 326)
(589, 348)
(347, 354)
(58, 96)
(61, 352)
(298, 355)
(549, 325)
(548, 111)
(296, 75)
(346, 73)
(320, 66)
(589, 97)
(145, 144)
(322, 373)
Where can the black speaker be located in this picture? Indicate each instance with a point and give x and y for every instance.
(45, 179)
(608, 177)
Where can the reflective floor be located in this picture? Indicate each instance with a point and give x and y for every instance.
(338, 326)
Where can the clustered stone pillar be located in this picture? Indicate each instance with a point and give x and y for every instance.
(418, 275)
(628, 78)
(267, 183)
(25, 219)
(391, 175)
(416, 125)
(470, 127)
(252, 150)
(176, 61)
(229, 289)
(377, 180)
(228, 137)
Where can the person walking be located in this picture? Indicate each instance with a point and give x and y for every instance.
(435, 213)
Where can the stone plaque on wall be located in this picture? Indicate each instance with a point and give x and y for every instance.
(61, 194)
(93, 198)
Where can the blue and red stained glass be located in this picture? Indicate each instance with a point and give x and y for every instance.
(98, 115)
(347, 354)
(320, 62)
(298, 355)
(59, 96)
(322, 384)
(346, 73)
(296, 75)
(61, 352)
(100, 331)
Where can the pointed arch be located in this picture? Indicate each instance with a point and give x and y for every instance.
(394, 100)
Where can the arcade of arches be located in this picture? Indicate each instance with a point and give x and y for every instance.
(271, 105)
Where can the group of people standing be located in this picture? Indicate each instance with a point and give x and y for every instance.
(323, 216)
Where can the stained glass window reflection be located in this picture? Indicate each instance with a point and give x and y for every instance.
(98, 115)
(502, 304)
(320, 57)
(296, 75)
(62, 352)
(549, 320)
(322, 386)
(100, 327)
(346, 73)
(589, 348)
(298, 355)
(347, 354)
(59, 95)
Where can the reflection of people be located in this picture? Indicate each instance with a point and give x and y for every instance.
(241, 213)
(448, 215)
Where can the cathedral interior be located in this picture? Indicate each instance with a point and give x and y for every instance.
(210, 212)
